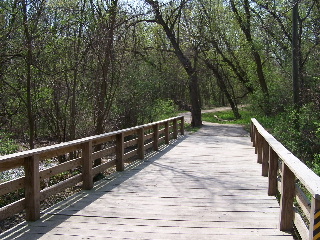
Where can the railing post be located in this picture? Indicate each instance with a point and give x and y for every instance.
(119, 152)
(156, 137)
(32, 187)
(182, 125)
(265, 158)
(252, 132)
(141, 143)
(259, 147)
(166, 132)
(87, 175)
(255, 140)
(273, 173)
(175, 128)
(314, 230)
(286, 201)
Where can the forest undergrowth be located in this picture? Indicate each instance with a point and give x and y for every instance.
(298, 131)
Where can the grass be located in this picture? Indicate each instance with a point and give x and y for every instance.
(190, 129)
(227, 117)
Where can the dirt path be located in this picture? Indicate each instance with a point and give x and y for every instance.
(187, 115)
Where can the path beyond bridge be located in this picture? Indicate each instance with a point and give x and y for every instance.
(206, 185)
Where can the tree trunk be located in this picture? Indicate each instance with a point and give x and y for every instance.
(73, 107)
(224, 89)
(28, 64)
(185, 62)
(103, 102)
(295, 56)
(245, 26)
(195, 101)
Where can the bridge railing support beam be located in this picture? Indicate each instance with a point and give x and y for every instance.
(175, 128)
(156, 137)
(259, 147)
(314, 229)
(252, 133)
(120, 152)
(87, 174)
(273, 173)
(141, 143)
(166, 133)
(265, 157)
(182, 125)
(32, 187)
(287, 197)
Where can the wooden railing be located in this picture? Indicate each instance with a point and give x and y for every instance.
(115, 148)
(298, 186)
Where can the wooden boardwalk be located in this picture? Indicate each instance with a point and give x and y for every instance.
(204, 186)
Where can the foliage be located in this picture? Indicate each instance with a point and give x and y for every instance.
(226, 117)
(299, 131)
(69, 69)
(190, 129)
(11, 197)
(316, 164)
(163, 109)
(7, 144)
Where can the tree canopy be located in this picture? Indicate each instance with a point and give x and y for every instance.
(70, 69)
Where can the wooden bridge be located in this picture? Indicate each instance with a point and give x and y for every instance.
(207, 185)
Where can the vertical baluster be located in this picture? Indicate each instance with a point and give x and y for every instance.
(87, 174)
(156, 137)
(32, 187)
(287, 196)
(141, 143)
(120, 152)
(265, 158)
(314, 230)
(182, 125)
(259, 147)
(166, 132)
(175, 128)
(273, 173)
(255, 140)
(252, 132)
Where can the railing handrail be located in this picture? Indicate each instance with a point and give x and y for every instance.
(269, 152)
(28, 153)
(110, 150)
(309, 179)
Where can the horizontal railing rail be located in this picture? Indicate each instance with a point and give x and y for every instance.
(113, 149)
(298, 186)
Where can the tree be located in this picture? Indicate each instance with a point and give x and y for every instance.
(219, 54)
(102, 46)
(244, 21)
(191, 70)
(30, 28)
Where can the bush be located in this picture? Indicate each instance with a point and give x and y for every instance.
(316, 164)
(7, 145)
(298, 130)
(163, 109)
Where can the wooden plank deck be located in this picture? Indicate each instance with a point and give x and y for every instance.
(205, 186)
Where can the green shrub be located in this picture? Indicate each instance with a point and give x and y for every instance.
(7, 145)
(163, 109)
(298, 130)
(316, 164)
(226, 117)
(188, 128)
